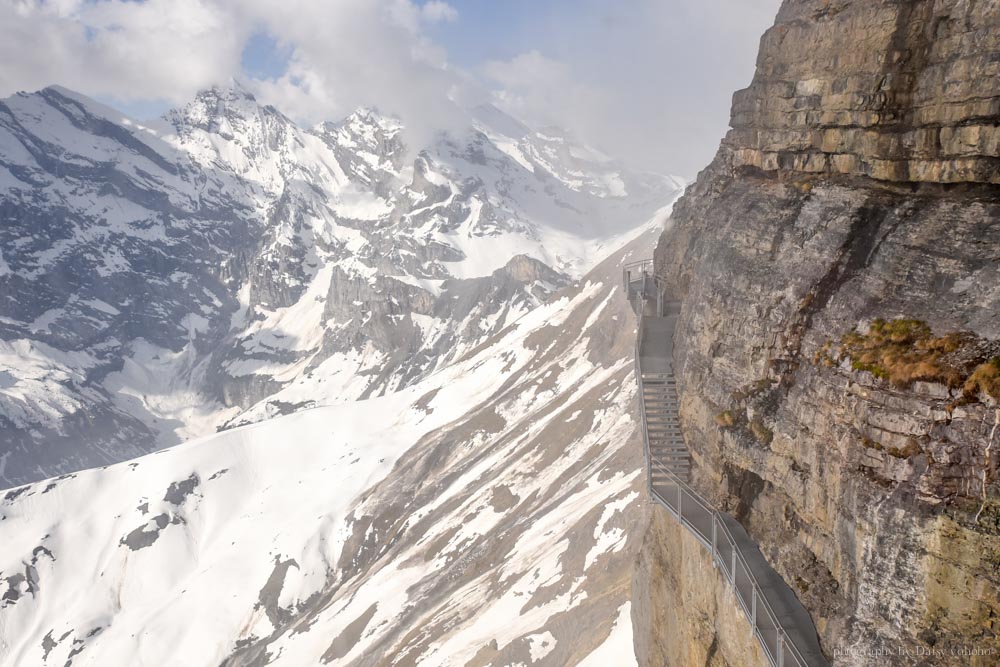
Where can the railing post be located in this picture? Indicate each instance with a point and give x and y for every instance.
(715, 552)
(680, 513)
(781, 648)
(753, 610)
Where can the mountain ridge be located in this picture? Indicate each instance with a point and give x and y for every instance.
(238, 254)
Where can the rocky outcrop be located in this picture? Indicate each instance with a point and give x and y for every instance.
(825, 210)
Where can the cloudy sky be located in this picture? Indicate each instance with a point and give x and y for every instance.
(647, 80)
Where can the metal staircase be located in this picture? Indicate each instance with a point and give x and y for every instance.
(663, 427)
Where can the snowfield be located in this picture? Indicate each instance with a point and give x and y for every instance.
(487, 513)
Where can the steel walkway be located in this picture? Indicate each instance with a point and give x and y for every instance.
(779, 621)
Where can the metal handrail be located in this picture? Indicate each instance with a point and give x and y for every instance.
(757, 607)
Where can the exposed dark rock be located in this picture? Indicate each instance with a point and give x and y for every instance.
(177, 492)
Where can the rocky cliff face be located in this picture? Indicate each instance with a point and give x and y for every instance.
(897, 91)
(687, 616)
(839, 264)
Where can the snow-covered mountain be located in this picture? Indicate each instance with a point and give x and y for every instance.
(223, 265)
(489, 513)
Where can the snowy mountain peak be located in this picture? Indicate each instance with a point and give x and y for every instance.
(279, 267)
(366, 143)
(226, 111)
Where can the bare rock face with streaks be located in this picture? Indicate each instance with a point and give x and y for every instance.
(853, 205)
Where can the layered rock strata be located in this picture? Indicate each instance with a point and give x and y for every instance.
(858, 183)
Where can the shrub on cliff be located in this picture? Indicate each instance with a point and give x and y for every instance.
(903, 351)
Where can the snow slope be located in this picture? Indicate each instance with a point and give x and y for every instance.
(485, 513)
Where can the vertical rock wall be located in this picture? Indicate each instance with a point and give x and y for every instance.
(859, 182)
(690, 617)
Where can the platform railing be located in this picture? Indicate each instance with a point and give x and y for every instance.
(699, 516)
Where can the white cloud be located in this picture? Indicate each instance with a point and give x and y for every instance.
(539, 89)
(436, 11)
(155, 49)
(650, 81)
(344, 54)
(355, 53)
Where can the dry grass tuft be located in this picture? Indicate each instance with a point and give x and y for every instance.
(725, 419)
(985, 379)
(761, 433)
(904, 351)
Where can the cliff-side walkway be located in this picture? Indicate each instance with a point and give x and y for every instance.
(779, 621)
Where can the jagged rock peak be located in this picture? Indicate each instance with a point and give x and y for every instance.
(366, 128)
(372, 117)
(213, 109)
